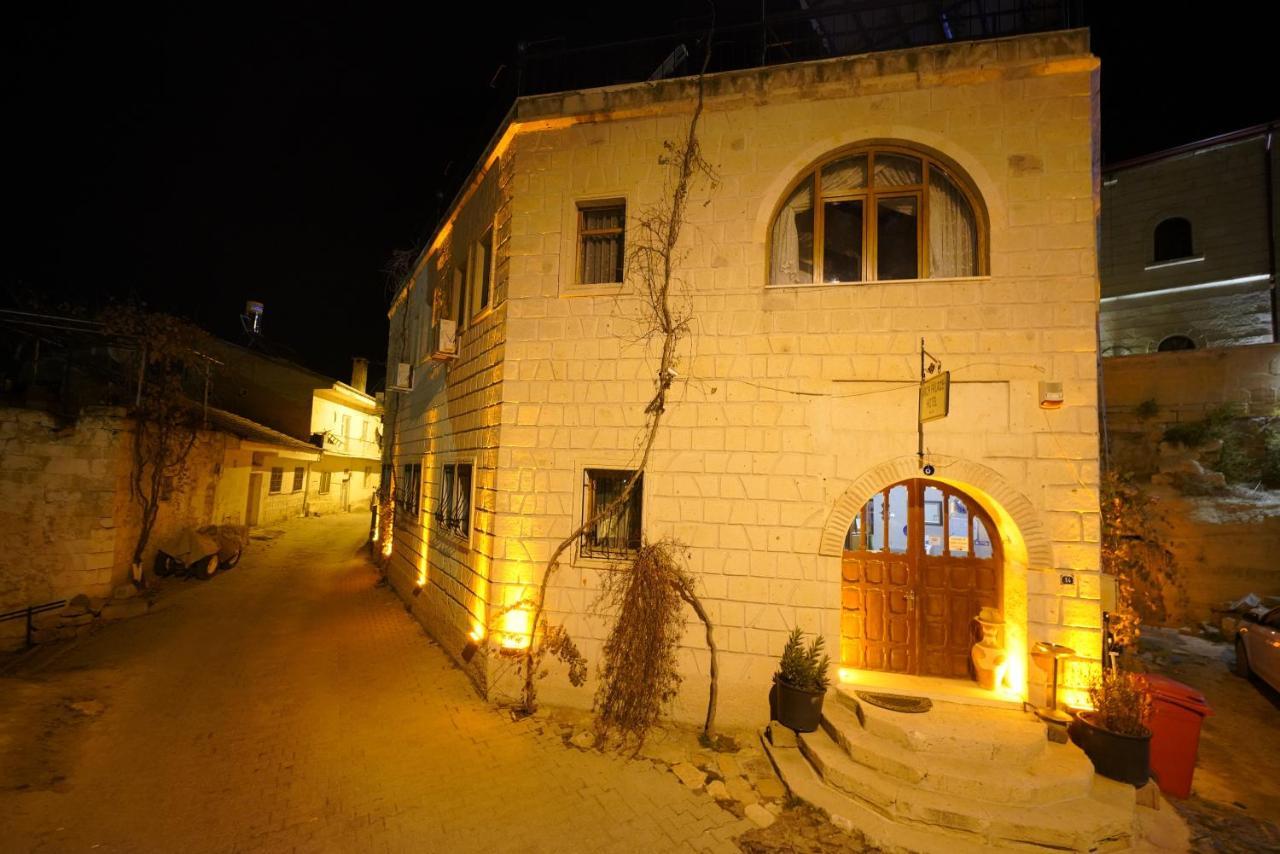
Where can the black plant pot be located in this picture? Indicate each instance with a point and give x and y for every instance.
(1126, 758)
(797, 708)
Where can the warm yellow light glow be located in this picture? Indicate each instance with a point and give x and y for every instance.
(477, 633)
(515, 629)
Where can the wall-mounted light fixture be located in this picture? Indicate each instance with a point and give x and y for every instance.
(1051, 396)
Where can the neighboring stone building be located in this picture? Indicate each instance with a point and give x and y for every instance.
(789, 447)
(340, 418)
(1188, 246)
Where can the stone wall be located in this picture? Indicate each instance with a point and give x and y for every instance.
(452, 415)
(60, 517)
(69, 525)
(1224, 543)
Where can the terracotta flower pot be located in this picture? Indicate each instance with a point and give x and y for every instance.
(797, 708)
(1126, 758)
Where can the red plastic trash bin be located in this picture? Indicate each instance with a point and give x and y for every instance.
(1177, 711)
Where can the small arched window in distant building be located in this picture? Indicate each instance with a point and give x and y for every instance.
(1172, 240)
(1176, 342)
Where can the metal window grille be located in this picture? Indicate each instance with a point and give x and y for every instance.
(617, 535)
(325, 478)
(454, 511)
(277, 480)
(297, 478)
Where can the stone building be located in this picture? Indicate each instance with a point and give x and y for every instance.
(1188, 246)
(944, 193)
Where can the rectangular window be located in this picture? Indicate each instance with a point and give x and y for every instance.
(346, 425)
(601, 242)
(618, 534)
(325, 478)
(277, 481)
(409, 489)
(298, 474)
(454, 510)
(479, 266)
(898, 233)
(842, 241)
(460, 298)
(364, 430)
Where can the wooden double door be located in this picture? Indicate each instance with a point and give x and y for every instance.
(920, 561)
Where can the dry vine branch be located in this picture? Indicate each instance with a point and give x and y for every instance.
(166, 421)
(652, 261)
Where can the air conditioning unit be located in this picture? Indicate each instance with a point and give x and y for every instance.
(446, 340)
(404, 377)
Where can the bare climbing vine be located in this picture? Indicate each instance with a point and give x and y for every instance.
(653, 262)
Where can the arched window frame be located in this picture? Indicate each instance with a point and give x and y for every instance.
(929, 160)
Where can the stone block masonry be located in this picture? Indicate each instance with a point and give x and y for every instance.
(795, 404)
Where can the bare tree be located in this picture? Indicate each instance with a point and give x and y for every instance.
(166, 422)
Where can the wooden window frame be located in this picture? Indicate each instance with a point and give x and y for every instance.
(584, 232)
(299, 478)
(326, 479)
(275, 483)
(870, 195)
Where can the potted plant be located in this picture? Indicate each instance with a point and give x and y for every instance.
(1115, 736)
(801, 683)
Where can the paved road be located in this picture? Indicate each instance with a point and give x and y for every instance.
(292, 705)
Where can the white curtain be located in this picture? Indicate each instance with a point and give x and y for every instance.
(953, 230)
(790, 258)
(847, 174)
(896, 170)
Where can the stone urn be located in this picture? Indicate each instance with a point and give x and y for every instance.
(988, 655)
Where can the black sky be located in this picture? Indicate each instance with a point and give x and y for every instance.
(199, 157)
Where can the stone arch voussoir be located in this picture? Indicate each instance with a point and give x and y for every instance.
(957, 471)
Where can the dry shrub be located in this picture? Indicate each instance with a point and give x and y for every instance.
(639, 675)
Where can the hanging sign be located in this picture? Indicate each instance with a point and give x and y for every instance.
(935, 397)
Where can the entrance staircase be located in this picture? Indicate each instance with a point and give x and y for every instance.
(955, 779)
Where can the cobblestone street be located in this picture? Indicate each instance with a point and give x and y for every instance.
(290, 704)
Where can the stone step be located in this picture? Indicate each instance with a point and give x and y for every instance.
(1102, 821)
(1060, 772)
(977, 733)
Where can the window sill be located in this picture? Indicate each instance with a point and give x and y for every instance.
(1176, 262)
(930, 281)
(602, 563)
(603, 289)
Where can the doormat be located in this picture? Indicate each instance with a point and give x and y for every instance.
(896, 702)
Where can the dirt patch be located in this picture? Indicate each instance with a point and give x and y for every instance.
(41, 729)
(1220, 829)
(801, 829)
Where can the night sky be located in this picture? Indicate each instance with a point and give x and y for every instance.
(196, 158)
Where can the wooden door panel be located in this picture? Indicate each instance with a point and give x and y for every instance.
(878, 623)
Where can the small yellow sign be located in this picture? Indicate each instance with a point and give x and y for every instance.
(935, 397)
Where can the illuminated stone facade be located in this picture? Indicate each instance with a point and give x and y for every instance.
(795, 403)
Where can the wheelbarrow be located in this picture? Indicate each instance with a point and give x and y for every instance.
(201, 552)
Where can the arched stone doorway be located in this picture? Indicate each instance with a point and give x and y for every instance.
(921, 559)
(1016, 531)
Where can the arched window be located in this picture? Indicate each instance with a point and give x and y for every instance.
(874, 215)
(1172, 240)
(1176, 342)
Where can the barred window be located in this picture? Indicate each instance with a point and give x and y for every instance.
(325, 478)
(297, 478)
(454, 512)
(277, 480)
(601, 242)
(409, 489)
(618, 534)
